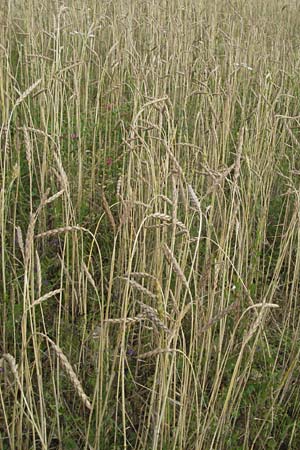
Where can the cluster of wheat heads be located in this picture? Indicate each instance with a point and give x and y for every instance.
(149, 225)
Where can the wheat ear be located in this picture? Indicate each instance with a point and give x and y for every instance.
(72, 375)
(27, 92)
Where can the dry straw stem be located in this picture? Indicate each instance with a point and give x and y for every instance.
(108, 211)
(38, 273)
(259, 320)
(237, 165)
(14, 369)
(72, 375)
(178, 167)
(30, 229)
(89, 276)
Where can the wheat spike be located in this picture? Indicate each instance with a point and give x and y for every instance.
(12, 364)
(54, 197)
(27, 146)
(219, 316)
(166, 218)
(59, 230)
(152, 315)
(72, 375)
(27, 92)
(194, 199)
(173, 262)
(45, 297)
(20, 240)
(126, 320)
(108, 212)
(156, 352)
(139, 287)
(142, 275)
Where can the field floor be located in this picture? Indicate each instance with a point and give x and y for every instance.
(149, 225)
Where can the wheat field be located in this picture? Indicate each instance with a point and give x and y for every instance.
(149, 225)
